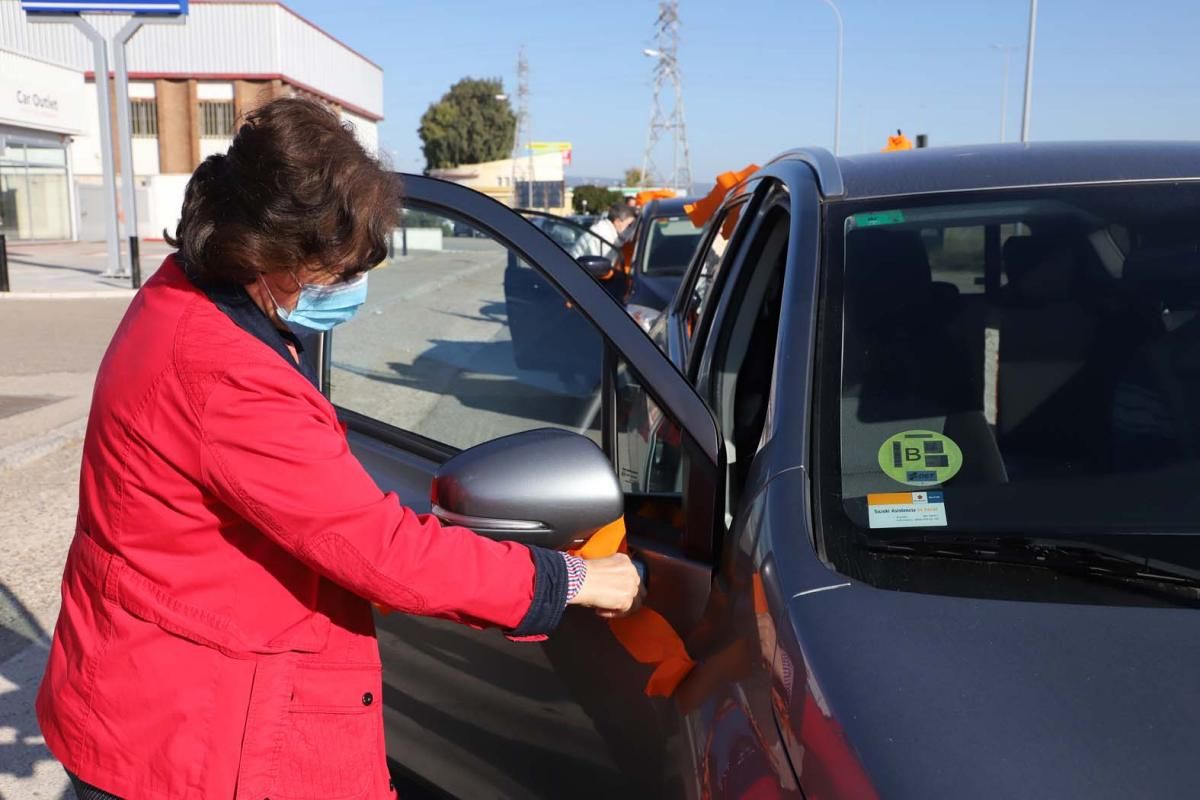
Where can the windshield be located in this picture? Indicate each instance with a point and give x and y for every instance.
(1018, 363)
(670, 245)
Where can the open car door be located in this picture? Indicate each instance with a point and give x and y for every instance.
(467, 340)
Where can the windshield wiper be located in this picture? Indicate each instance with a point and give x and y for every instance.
(1068, 556)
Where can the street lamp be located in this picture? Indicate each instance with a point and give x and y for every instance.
(1006, 49)
(1029, 71)
(837, 103)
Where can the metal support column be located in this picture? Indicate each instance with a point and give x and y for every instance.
(125, 130)
(100, 57)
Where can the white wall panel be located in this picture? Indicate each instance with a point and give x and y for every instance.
(217, 39)
(312, 58)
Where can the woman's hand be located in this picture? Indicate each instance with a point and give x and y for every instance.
(612, 586)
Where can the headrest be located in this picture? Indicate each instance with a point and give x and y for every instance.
(890, 258)
(1022, 253)
(888, 276)
(1053, 276)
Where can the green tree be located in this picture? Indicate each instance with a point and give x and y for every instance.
(634, 177)
(468, 125)
(598, 199)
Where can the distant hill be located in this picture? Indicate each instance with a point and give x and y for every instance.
(616, 183)
(580, 180)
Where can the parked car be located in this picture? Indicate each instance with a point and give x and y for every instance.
(661, 245)
(664, 241)
(910, 471)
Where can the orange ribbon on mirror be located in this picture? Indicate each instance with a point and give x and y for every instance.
(645, 634)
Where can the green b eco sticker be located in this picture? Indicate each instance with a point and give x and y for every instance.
(920, 458)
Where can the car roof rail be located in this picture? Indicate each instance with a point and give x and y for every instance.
(824, 165)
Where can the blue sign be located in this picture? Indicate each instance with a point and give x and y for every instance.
(105, 6)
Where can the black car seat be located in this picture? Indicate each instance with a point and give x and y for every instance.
(1047, 335)
(902, 368)
(1155, 414)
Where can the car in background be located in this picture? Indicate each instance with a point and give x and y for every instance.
(663, 245)
(911, 471)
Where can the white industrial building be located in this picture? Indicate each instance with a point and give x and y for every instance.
(189, 84)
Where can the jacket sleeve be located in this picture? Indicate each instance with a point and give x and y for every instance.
(273, 453)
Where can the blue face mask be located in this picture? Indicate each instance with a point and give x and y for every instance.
(319, 307)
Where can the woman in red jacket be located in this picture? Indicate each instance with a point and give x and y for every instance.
(216, 636)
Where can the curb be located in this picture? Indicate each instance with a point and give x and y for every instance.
(99, 294)
(24, 452)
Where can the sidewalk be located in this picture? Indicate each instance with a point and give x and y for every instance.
(71, 269)
(49, 352)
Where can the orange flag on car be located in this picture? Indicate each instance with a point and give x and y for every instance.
(646, 195)
(897, 142)
(645, 634)
(703, 209)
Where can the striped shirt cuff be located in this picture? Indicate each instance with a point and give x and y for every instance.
(576, 575)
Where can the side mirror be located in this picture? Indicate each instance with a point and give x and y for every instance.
(547, 487)
(598, 267)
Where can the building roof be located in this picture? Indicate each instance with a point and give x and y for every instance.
(950, 169)
(220, 40)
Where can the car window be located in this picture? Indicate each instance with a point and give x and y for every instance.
(713, 259)
(671, 244)
(461, 342)
(648, 455)
(1062, 400)
(739, 380)
(578, 240)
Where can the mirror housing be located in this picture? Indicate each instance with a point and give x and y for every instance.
(547, 487)
(598, 267)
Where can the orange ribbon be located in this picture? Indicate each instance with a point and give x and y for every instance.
(646, 195)
(645, 634)
(701, 211)
(897, 142)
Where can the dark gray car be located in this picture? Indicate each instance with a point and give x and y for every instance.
(911, 474)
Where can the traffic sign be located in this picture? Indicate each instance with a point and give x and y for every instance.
(105, 6)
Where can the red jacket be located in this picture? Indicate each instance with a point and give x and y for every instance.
(216, 638)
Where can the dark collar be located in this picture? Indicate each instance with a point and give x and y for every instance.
(237, 304)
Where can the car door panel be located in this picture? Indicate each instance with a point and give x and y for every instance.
(471, 714)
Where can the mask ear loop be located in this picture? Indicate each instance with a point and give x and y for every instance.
(270, 294)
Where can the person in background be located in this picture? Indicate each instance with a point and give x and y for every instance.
(606, 233)
(216, 637)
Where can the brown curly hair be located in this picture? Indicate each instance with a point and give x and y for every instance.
(296, 189)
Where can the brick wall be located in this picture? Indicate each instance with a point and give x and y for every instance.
(177, 152)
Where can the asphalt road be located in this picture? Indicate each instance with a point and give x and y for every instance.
(432, 352)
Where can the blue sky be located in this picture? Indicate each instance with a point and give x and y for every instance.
(759, 74)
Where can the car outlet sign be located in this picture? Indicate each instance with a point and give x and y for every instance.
(105, 6)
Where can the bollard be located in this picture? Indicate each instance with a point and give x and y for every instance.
(4, 287)
(404, 240)
(135, 263)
